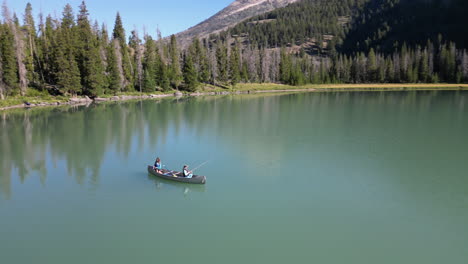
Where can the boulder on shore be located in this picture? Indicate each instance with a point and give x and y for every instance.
(100, 99)
(80, 100)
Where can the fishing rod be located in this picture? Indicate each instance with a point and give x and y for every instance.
(199, 166)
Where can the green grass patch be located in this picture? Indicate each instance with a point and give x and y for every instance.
(33, 97)
(383, 86)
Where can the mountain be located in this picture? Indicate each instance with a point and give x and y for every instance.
(236, 12)
(386, 24)
(357, 25)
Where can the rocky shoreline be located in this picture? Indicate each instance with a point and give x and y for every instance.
(76, 101)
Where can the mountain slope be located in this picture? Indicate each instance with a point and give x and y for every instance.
(313, 21)
(358, 25)
(387, 24)
(230, 16)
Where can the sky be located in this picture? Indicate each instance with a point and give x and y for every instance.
(172, 16)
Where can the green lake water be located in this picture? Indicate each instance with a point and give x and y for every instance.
(364, 177)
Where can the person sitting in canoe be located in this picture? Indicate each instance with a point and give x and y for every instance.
(186, 173)
(157, 165)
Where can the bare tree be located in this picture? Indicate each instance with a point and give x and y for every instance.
(160, 45)
(464, 65)
(102, 48)
(213, 64)
(19, 48)
(2, 85)
(118, 55)
(275, 65)
(263, 66)
(251, 57)
(396, 65)
(138, 56)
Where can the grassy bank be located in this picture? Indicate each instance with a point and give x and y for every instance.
(36, 98)
(318, 87)
(33, 97)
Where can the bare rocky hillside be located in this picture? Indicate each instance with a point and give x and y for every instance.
(229, 16)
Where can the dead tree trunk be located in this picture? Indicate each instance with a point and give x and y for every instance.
(19, 49)
(118, 55)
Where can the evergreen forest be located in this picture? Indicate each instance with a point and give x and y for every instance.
(311, 41)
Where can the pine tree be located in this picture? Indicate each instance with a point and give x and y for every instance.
(424, 67)
(89, 59)
(164, 77)
(204, 75)
(190, 73)
(8, 60)
(68, 76)
(31, 39)
(234, 65)
(44, 51)
(175, 74)
(297, 76)
(149, 65)
(451, 63)
(285, 67)
(198, 53)
(95, 80)
(372, 66)
(114, 77)
(122, 54)
(119, 31)
(222, 62)
(390, 69)
(149, 83)
(67, 71)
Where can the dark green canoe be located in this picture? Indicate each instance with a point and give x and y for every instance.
(177, 176)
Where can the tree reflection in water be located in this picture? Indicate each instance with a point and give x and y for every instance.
(31, 141)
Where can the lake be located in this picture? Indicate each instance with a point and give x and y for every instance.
(361, 177)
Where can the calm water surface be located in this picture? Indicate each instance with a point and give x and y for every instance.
(299, 178)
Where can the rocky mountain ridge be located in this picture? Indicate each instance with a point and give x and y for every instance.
(236, 12)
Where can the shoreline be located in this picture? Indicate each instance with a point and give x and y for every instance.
(252, 89)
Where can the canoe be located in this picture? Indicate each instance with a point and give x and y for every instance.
(177, 176)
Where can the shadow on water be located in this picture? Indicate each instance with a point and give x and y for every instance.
(36, 141)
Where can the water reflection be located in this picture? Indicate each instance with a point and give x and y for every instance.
(32, 142)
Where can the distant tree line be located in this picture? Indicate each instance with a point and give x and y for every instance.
(71, 55)
(442, 62)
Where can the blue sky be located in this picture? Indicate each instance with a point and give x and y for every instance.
(172, 16)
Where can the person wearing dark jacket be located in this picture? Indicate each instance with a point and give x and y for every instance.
(157, 165)
(186, 173)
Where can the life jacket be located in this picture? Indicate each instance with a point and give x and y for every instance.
(157, 165)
